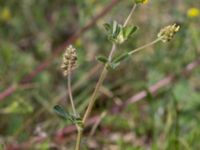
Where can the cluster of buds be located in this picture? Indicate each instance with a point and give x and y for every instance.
(69, 60)
(167, 33)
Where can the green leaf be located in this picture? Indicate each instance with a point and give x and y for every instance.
(116, 28)
(129, 31)
(61, 112)
(66, 116)
(108, 27)
(121, 58)
(102, 59)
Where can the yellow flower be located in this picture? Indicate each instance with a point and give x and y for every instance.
(145, 1)
(5, 15)
(193, 12)
(141, 1)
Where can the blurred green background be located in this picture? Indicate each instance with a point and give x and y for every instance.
(31, 30)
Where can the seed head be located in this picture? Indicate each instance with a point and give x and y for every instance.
(69, 60)
(168, 32)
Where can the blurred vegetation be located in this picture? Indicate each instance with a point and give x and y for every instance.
(30, 30)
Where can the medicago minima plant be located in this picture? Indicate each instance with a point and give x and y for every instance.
(117, 34)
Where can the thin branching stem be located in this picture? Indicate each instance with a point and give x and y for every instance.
(129, 16)
(99, 84)
(145, 46)
(94, 95)
(79, 129)
(112, 52)
(78, 140)
(125, 24)
(70, 91)
(103, 114)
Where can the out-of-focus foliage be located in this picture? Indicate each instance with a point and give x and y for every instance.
(31, 29)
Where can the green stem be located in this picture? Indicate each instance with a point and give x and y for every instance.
(70, 92)
(104, 72)
(112, 52)
(78, 140)
(102, 77)
(103, 114)
(129, 16)
(145, 46)
(94, 95)
(98, 85)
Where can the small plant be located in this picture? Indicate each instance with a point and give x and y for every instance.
(117, 34)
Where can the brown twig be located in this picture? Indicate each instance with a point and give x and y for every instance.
(10, 90)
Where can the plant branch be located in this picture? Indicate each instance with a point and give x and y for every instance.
(103, 75)
(101, 79)
(70, 92)
(145, 46)
(78, 140)
(129, 16)
(94, 95)
(112, 52)
(103, 114)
